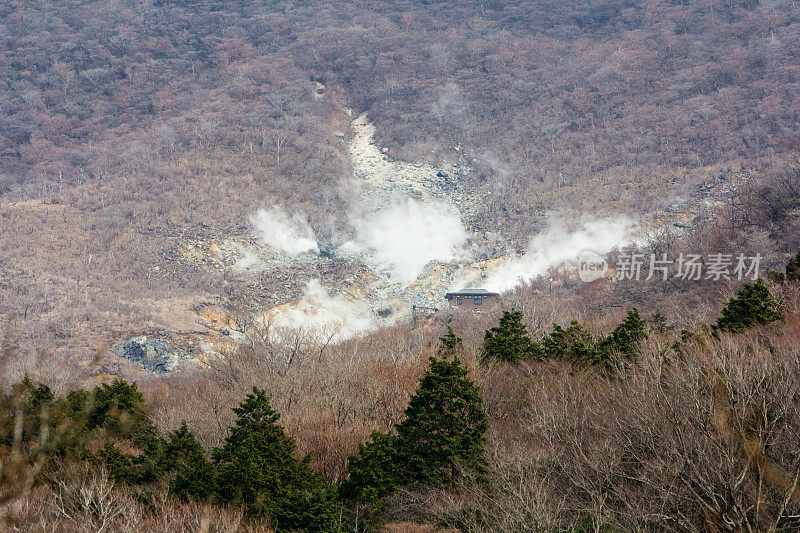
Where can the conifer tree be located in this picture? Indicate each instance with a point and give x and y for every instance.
(625, 336)
(793, 268)
(443, 434)
(450, 344)
(256, 467)
(751, 306)
(444, 426)
(509, 341)
(120, 409)
(374, 471)
(183, 455)
(570, 343)
(22, 411)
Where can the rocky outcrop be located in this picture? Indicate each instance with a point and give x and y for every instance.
(155, 355)
(384, 181)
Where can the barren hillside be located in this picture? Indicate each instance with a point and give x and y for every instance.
(137, 140)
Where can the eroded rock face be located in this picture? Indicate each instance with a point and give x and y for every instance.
(155, 355)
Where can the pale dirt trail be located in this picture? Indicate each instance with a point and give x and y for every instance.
(382, 181)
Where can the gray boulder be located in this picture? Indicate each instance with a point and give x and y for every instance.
(155, 355)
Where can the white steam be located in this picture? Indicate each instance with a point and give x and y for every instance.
(335, 316)
(291, 234)
(405, 237)
(555, 246)
(246, 259)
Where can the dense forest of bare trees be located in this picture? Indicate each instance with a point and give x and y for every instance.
(137, 124)
(544, 97)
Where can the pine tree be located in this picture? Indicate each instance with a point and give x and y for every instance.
(120, 409)
(114, 413)
(443, 434)
(27, 405)
(582, 349)
(793, 268)
(374, 471)
(183, 455)
(450, 344)
(568, 343)
(658, 323)
(256, 468)
(444, 426)
(751, 306)
(509, 341)
(625, 336)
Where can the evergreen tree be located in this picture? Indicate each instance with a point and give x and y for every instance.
(374, 471)
(256, 468)
(119, 409)
(442, 435)
(793, 268)
(570, 343)
(120, 465)
(444, 426)
(582, 349)
(658, 323)
(108, 415)
(27, 405)
(751, 306)
(183, 455)
(509, 341)
(625, 336)
(450, 344)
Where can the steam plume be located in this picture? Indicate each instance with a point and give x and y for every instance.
(291, 235)
(556, 246)
(319, 311)
(405, 237)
